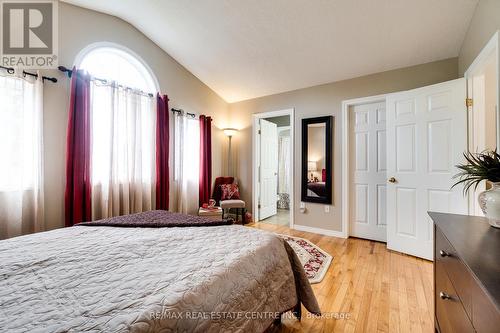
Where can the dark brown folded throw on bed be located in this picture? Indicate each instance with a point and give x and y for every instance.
(157, 219)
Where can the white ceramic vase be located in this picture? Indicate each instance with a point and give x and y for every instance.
(489, 201)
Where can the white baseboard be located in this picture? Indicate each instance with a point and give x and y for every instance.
(320, 231)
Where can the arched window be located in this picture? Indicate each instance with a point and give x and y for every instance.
(116, 63)
(123, 129)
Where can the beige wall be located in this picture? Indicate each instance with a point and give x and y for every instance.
(320, 101)
(80, 27)
(484, 23)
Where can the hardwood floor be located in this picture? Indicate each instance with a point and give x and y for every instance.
(379, 290)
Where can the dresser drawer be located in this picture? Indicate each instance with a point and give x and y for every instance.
(468, 268)
(485, 315)
(460, 277)
(450, 313)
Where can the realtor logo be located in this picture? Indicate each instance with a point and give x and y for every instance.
(29, 33)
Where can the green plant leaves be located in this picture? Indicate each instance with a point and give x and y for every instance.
(479, 167)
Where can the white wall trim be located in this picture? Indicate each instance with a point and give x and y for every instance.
(345, 156)
(256, 152)
(320, 231)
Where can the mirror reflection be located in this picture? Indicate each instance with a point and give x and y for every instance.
(316, 160)
(316, 153)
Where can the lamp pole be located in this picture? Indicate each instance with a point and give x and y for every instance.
(229, 132)
(229, 158)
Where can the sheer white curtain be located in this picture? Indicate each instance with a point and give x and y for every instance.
(187, 163)
(21, 166)
(284, 164)
(123, 151)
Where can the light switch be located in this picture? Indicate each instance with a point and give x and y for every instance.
(327, 209)
(302, 209)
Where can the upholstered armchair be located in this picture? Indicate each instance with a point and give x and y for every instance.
(226, 195)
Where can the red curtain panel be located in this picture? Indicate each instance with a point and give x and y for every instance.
(205, 159)
(162, 152)
(77, 198)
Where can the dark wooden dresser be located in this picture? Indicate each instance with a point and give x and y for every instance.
(466, 274)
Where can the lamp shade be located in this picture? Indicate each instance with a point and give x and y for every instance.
(312, 166)
(230, 131)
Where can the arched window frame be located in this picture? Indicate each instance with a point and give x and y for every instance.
(134, 59)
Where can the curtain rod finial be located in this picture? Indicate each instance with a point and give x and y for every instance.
(65, 70)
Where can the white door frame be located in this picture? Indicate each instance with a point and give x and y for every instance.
(491, 48)
(256, 152)
(346, 181)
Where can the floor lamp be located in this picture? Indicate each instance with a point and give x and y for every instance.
(229, 132)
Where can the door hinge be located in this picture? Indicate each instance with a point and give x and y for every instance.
(468, 102)
(258, 131)
(258, 206)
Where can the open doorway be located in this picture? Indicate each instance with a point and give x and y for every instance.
(273, 167)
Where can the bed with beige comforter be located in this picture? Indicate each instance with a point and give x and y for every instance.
(180, 279)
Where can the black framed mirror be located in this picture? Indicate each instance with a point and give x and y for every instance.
(317, 160)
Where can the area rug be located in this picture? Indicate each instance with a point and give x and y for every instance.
(315, 260)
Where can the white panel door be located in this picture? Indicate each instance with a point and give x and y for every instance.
(426, 137)
(268, 169)
(368, 171)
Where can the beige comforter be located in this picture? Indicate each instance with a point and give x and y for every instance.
(193, 279)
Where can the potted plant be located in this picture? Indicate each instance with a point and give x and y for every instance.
(479, 167)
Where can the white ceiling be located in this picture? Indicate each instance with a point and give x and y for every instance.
(249, 48)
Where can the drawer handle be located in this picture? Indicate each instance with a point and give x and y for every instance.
(443, 253)
(444, 295)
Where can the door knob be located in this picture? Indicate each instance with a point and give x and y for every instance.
(444, 295)
(443, 253)
(392, 180)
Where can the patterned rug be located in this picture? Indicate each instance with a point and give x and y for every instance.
(315, 260)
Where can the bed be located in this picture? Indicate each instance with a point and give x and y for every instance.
(91, 278)
(316, 189)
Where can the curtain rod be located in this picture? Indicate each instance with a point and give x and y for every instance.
(11, 70)
(70, 73)
(182, 111)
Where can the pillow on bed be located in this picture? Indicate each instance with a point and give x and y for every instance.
(230, 192)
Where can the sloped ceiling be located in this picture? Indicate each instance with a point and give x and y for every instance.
(244, 49)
